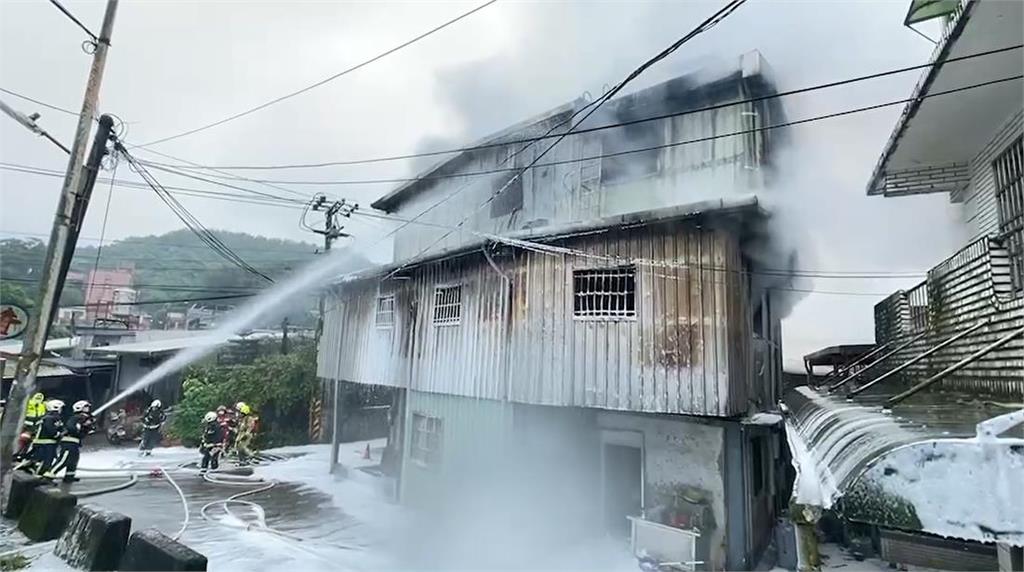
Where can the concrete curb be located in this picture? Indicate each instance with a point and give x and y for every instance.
(46, 514)
(22, 485)
(95, 539)
(150, 549)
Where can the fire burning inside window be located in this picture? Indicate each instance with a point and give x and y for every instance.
(447, 305)
(604, 292)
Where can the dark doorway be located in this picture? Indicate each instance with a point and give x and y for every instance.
(623, 486)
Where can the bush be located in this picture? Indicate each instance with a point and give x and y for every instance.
(278, 388)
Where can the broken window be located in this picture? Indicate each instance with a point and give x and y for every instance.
(1009, 175)
(384, 316)
(447, 305)
(426, 439)
(638, 159)
(510, 197)
(604, 292)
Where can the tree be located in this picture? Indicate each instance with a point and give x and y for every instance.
(278, 388)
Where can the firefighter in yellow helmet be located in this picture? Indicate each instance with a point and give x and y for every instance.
(248, 423)
(34, 412)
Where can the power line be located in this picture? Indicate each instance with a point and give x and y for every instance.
(72, 17)
(581, 131)
(174, 301)
(488, 172)
(325, 80)
(183, 214)
(37, 102)
(184, 191)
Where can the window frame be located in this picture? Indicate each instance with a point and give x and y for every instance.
(628, 271)
(427, 442)
(1008, 180)
(437, 317)
(378, 313)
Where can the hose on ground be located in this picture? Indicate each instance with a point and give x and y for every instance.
(184, 502)
(104, 490)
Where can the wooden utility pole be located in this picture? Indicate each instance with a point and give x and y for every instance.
(331, 231)
(61, 246)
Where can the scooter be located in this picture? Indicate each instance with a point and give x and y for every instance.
(120, 429)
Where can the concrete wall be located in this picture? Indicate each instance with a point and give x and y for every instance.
(679, 453)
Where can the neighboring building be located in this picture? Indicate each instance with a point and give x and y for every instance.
(591, 345)
(68, 316)
(135, 358)
(108, 295)
(905, 442)
(59, 376)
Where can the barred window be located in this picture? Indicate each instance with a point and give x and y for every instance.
(447, 305)
(604, 292)
(1009, 174)
(385, 314)
(427, 435)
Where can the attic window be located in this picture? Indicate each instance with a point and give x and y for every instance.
(384, 317)
(604, 293)
(447, 305)
(511, 198)
(633, 164)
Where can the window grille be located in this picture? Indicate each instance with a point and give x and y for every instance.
(1009, 175)
(604, 293)
(447, 305)
(385, 314)
(427, 435)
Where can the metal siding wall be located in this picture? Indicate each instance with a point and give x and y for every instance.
(962, 290)
(687, 350)
(980, 210)
(681, 354)
(352, 347)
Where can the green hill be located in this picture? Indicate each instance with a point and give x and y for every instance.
(168, 267)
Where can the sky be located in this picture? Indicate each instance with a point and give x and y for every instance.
(175, 65)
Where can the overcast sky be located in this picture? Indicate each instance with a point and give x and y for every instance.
(175, 65)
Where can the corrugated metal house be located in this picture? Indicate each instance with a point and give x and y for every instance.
(902, 452)
(592, 336)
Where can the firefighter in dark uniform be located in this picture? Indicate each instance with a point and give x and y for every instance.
(77, 427)
(212, 443)
(152, 420)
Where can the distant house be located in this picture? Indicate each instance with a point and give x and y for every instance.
(905, 441)
(589, 348)
(109, 295)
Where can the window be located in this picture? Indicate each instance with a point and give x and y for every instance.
(426, 439)
(633, 164)
(604, 292)
(1009, 174)
(385, 315)
(510, 199)
(447, 305)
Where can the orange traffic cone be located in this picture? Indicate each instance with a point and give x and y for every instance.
(366, 453)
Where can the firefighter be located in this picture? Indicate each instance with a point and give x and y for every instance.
(80, 424)
(228, 425)
(211, 445)
(152, 420)
(247, 426)
(34, 412)
(44, 444)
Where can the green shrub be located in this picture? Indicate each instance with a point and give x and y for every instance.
(277, 387)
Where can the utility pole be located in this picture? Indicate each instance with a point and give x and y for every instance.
(331, 231)
(61, 243)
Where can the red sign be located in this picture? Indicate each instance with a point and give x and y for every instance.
(13, 321)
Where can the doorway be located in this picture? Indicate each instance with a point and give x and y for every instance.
(622, 479)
